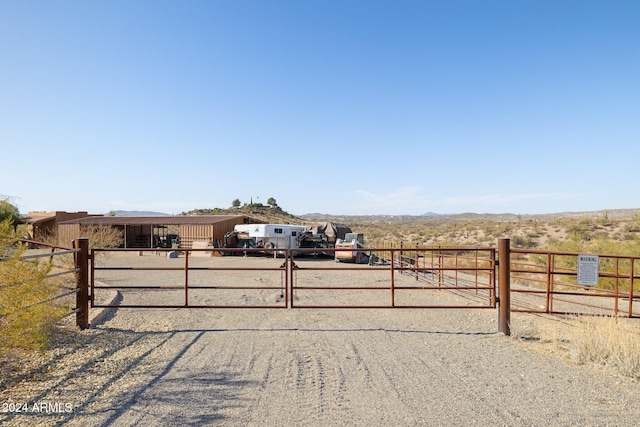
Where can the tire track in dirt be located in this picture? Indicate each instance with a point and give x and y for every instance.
(374, 367)
(385, 379)
(461, 368)
(419, 378)
(103, 366)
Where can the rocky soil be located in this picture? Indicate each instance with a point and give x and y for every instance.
(155, 367)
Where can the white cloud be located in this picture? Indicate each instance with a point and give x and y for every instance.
(404, 200)
(401, 194)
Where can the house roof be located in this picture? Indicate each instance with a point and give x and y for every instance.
(156, 220)
(33, 219)
(39, 217)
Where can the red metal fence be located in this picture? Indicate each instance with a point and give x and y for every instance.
(547, 282)
(79, 271)
(530, 281)
(398, 278)
(189, 281)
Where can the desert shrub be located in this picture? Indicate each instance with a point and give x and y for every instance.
(583, 229)
(25, 323)
(533, 235)
(99, 236)
(102, 236)
(607, 342)
(632, 227)
(525, 242)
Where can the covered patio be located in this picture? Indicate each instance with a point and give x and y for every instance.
(161, 231)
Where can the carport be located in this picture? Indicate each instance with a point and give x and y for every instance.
(156, 231)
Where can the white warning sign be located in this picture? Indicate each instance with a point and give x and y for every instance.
(588, 270)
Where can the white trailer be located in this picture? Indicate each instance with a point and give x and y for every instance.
(269, 236)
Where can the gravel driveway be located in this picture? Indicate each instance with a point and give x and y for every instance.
(374, 367)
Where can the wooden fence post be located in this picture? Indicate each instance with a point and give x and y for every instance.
(82, 283)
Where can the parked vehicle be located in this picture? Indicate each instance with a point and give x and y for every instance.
(267, 236)
(351, 249)
(286, 236)
(166, 241)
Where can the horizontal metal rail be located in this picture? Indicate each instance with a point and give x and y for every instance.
(429, 269)
(49, 255)
(430, 274)
(546, 282)
(62, 273)
(53, 298)
(187, 287)
(55, 251)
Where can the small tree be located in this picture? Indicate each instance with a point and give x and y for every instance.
(272, 202)
(102, 236)
(236, 203)
(9, 212)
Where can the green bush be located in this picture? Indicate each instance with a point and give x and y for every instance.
(25, 323)
(9, 212)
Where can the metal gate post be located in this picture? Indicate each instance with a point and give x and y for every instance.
(186, 278)
(82, 283)
(504, 282)
(393, 280)
(288, 278)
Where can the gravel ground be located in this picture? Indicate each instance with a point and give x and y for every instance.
(375, 367)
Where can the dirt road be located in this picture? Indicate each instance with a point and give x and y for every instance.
(313, 367)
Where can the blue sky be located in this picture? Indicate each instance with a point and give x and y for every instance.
(339, 107)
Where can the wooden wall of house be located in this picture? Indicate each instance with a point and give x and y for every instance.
(213, 234)
(67, 233)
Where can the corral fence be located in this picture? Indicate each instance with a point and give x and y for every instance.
(550, 283)
(469, 271)
(77, 270)
(402, 278)
(223, 278)
(547, 282)
(398, 277)
(511, 279)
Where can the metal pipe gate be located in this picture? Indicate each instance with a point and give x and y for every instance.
(399, 272)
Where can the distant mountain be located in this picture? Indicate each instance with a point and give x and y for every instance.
(472, 216)
(137, 213)
(316, 215)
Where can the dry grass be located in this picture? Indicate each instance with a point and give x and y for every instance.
(610, 343)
